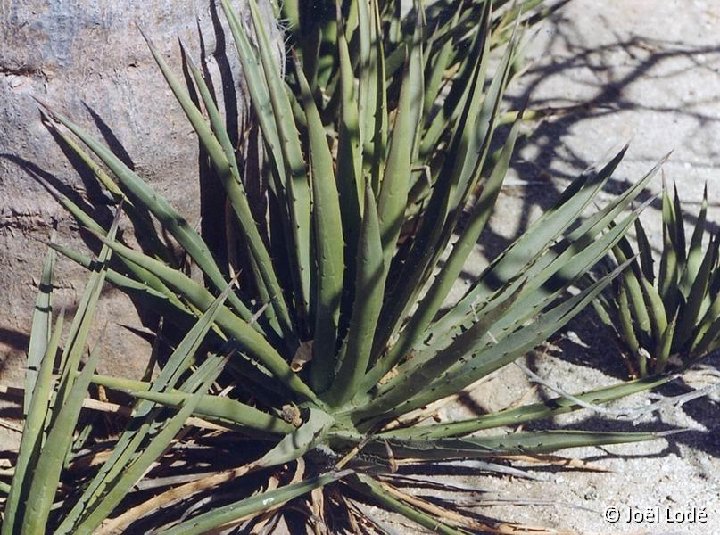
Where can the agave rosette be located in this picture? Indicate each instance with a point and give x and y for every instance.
(338, 327)
(672, 315)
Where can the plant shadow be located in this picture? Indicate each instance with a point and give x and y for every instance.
(577, 92)
(580, 95)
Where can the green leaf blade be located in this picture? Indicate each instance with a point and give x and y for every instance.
(328, 233)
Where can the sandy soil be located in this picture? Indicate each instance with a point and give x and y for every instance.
(646, 71)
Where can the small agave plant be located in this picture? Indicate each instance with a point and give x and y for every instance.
(669, 316)
(336, 336)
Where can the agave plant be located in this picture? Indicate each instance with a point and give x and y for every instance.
(672, 316)
(336, 334)
(312, 29)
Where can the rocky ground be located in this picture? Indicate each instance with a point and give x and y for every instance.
(647, 72)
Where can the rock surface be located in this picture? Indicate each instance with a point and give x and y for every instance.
(88, 60)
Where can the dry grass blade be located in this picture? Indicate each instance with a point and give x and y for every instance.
(446, 520)
(317, 508)
(451, 517)
(11, 426)
(253, 506)
(554, 460)
(265, 520)
(122, 410)
(172, 496)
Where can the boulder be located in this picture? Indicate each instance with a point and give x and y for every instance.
(88, 60)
